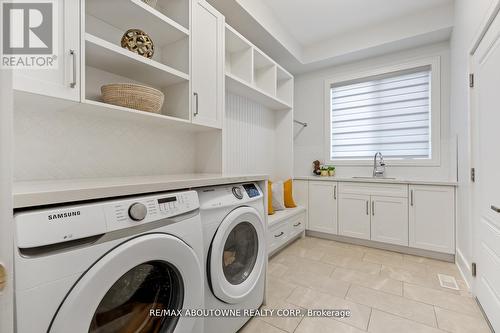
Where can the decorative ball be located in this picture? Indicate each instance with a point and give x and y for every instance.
(138, 42)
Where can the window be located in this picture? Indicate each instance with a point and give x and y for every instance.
(390, 112)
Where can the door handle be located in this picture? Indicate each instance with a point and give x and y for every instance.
(196, 104)
(367, 208)
(335, 192)
(73, 56)
(411, 197)
(495, 209)
(373, 208)
(279, 235)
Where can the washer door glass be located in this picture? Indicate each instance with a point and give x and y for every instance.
(240, 253)
(125, 307)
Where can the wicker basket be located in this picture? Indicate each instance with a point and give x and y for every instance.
(133, 96)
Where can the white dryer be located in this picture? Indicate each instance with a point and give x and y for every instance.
(234, 234)
(110, 266)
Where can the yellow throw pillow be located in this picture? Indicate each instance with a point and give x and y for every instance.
(270, 209)
(288, 189)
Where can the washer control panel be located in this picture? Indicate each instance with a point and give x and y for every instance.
(42, 227)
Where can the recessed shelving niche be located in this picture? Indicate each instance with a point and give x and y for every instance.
(251, 73)
(107, 62)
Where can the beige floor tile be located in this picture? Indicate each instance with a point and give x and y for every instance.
(455, 322)
(442, 299)
(341, 250)
(306, 252)
(352, 262)
(388, 254)
(369, 280)
(276, 269)
(325, 325)
(318, 282)
(383, 322)
(256, 325)
(296, 265)
(288, 324)
(277, 289)
(312, 299)
(400, 306)
(396, 261)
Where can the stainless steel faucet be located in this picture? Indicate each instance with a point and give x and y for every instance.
(378, 167)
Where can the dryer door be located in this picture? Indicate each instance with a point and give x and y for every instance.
(117, 294)
(237, 255)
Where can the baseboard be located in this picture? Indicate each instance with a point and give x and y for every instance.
(464, 268)
(384, 246)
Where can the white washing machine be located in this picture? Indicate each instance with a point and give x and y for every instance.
(234, 235)
(103, 267)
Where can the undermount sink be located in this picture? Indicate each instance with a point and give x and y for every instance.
(368, 177)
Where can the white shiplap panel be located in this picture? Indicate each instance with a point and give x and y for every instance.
(250, 137)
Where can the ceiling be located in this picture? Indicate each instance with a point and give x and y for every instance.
(313, 21)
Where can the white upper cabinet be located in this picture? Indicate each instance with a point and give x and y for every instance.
(63, 81)
(323, 207)
(432, 218)
(389, 221)
(207, 59)
(354, 215)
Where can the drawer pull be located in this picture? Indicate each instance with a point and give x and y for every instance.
(495, 208)
(296, 225)
(279, 235)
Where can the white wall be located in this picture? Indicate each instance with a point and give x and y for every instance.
(468, 18)
(309, 107)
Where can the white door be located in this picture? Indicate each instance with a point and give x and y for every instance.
(432, 218)
(63, 82)
(354, 215)
(238, 255)
(389, 222)
(6, 218)
(207, 59)
(154, 271)
(323, 207)
(486, 160)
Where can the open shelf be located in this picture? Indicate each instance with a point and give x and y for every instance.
(284, 86)
(127, 14)
(242, 88)
(111, 58)
(238, 56)
(264, 75)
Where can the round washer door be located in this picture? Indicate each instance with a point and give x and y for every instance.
(237, 255)
(149, 272)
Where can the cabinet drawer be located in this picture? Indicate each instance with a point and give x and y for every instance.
(380, 189)
(297, 224)
(278, 235)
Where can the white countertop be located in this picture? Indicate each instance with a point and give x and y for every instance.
(40, 193)
(378, 180)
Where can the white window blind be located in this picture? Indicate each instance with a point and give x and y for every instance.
(389, 113)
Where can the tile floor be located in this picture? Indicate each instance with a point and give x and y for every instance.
(386, 292)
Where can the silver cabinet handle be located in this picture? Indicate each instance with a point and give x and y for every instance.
(411, 197)
(335, 192)
(279, 235)
(373, 207)
(367, 208)
(73, 55)
(296, 225)
(196, 105)
(495, 209)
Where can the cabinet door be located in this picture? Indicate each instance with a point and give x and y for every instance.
(354, 215)
(432, 218)
(389, 222)
(323, 207)
(207, 59)
(64, 81)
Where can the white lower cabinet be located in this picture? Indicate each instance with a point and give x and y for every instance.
(354, 215)
(432, 218)
(323, 207)
(389, 220)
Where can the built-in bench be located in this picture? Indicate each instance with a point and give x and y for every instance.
(285, 226)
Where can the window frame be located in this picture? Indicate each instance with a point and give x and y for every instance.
(435, 90)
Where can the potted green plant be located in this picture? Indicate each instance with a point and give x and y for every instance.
(331, 170)
(324, 170)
